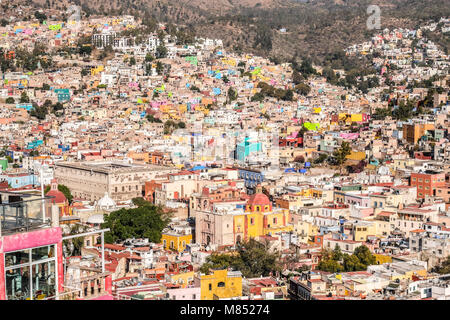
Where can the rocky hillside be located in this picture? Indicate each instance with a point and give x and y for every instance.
(315, 28)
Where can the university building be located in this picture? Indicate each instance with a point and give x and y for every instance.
(122, 181)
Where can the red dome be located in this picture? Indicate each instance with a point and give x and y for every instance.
(59, 197)
(259, 199)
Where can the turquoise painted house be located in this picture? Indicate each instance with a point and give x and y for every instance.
(244, 149)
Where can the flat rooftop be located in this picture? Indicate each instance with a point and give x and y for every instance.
(111, 166)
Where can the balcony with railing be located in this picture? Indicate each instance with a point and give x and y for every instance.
(92, 285)
(20, 212)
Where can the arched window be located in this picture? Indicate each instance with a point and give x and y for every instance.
(221, 284)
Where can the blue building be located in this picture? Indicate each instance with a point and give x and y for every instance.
(251, 178)
(19, 180)
(63, 94)
(244, 149)
(34, 144)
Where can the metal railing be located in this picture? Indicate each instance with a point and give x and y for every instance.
(24, 215)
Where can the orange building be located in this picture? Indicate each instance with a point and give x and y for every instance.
(139, 156)
(413, 132)
(427, 183)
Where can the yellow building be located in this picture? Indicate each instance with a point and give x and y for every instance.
(362, 230)
(221, 284)
(175, 241)
(182, 278)
(402, 163)
(354, 155)
(381, 258)
(305, 230)
(260, 219)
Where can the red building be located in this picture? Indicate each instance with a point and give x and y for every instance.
(291, 142)
(427, 182)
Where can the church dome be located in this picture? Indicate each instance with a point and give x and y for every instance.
(259, 199)
(106, 202)
(57, 196)
(259, 202)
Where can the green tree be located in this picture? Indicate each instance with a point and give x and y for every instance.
(322, 157)
(364, 255)
(141, 202)
(161, 51)
(444, 267)
(149, 57)
(146, 221)
(337, 253)
(341, 153)
(302, 89)
(10, 100)
(296, 77)
(232, 94)
(352, 263)
(65, 190)
(24, 98)
(152, 119)
(252, 258)
(159, 67)
(330, 266)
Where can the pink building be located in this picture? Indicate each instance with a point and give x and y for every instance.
(183, 293)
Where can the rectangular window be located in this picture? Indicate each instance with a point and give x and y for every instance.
(42, 253)
(31, 274)
(17, 257)
(43, 280)
(17, 282)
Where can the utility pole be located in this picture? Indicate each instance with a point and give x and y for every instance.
(41, 171)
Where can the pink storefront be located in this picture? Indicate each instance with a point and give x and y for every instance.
(31, 264)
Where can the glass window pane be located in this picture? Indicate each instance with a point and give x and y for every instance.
(17, 257)
(18, 284)
(43, 253)
(43, 279)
